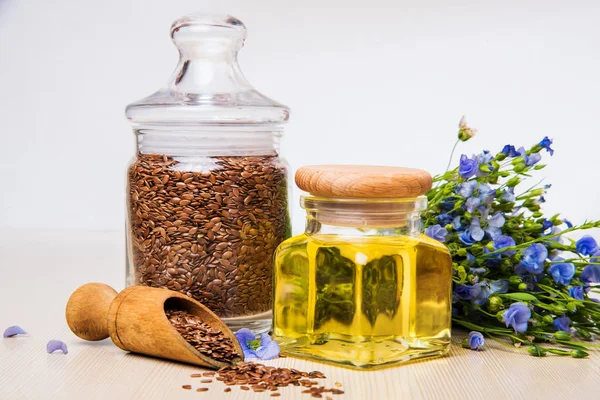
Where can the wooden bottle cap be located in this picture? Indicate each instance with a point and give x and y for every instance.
(363, 181)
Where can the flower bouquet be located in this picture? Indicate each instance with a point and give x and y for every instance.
(516, 274)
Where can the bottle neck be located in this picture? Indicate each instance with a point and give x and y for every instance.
(205, 141)
(363, 217)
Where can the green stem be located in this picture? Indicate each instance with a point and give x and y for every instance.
(452, 155)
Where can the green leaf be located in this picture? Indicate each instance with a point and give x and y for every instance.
(519, 296)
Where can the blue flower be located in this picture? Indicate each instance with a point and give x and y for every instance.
(546, 225)
(494, 224)
(264, 348)
(554, 231)
(499, 286)
(436, 232)
(545, 144)
(444, 219)
(590, 274)
(562, 272)
(480, 293)
(502, 241)
(448, 203)
(576, 292)
(533, 259)
(568, 223)
(467, 167)
(491, 260)
(532, 159)
(463, 292)
(475, 340)
(562, 324)
(510, 151)
(587, 246)
(517, 315)
(466, 189)
(508, 195)
(456, 224)
(473, 234)
(477, 271)
(471, 259)
(484, 157)
(476, 195)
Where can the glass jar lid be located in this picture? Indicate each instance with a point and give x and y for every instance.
(207, 87)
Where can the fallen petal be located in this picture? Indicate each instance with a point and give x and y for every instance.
(54, 345)
(14, 330)
(245, 335)
(268, 352)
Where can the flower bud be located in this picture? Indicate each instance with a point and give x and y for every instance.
(537, 214)
(548, 319)
(535, 192)
(495, 304)
(500, 316)
(512, 182)
(559, 309)
(449, 227)
(584, 333)
(462, 274)
(578, 353)
(522, 286)
(485, 168)
(515, 280)
(520, 168)
(562, 335)
(571, 306)
(464, 131)
(462, 252)
(537, 351)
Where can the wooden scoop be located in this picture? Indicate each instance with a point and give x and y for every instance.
(135, 320)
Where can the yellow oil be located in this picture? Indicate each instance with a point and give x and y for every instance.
(362, 302)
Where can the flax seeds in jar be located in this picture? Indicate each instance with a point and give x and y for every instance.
(207, 193)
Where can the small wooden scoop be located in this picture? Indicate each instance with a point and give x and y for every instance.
(135, 320)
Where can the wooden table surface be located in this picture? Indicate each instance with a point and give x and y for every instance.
(41, 269)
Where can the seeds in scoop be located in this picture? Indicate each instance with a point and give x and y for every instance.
(208, 234)
(186, 387)
(206, 381)
(202, 389)
(209, 341)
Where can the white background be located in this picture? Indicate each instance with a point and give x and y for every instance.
(371, 82)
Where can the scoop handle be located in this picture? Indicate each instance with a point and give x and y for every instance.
(87, 310)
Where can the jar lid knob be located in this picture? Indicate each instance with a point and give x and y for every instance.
(200, 33)
(363, 181)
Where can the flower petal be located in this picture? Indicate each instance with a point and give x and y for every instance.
(55, 345)
(265, 339)
(244, 336)
(268, 351)
(14, 330)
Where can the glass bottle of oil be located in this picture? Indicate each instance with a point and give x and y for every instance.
(362, 287)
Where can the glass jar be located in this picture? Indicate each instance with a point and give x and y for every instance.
(362, 286)
(207, 190)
